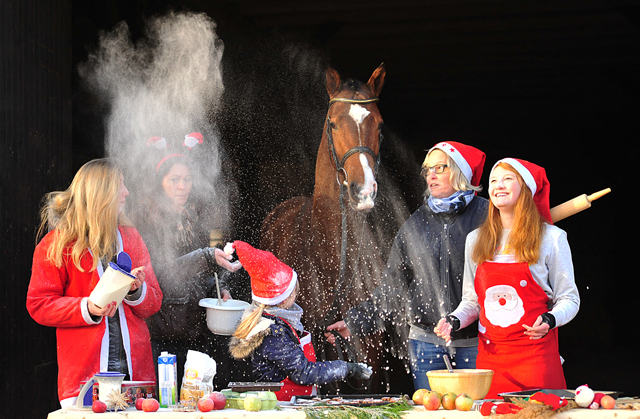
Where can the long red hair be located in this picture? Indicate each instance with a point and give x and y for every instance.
(526, 234)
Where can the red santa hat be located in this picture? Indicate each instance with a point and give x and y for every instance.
(536, 180)
(469, 159)
(192, 140)
(271, 280)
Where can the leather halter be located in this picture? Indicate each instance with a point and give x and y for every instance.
(339, 163)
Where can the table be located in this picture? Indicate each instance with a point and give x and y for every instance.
(286, 413)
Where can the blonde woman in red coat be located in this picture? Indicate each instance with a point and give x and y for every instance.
(87, 231)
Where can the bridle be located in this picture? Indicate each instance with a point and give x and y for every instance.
(342, 288)
(339, 163)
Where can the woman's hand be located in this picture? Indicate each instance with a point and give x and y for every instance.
(225, 294)
(109, 310)
(538, 330)
(140, 276)
(223, 259)
(340, 327)
(443, 329)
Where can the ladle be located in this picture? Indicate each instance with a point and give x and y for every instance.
(218, 289)
(447, 362)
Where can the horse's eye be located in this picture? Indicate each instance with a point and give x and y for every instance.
(333, 125)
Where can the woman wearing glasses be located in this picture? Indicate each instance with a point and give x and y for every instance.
(423, 278)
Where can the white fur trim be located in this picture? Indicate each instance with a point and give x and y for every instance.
(84, 308)
(279, 298)
(457, 157)
(104, 349)
(126, 342)
(262, 325)
(524, 172)
(140, 300)
(68, 402)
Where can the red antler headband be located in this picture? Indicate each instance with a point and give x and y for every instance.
(160, 143)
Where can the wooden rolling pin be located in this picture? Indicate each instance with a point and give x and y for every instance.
(575, 205)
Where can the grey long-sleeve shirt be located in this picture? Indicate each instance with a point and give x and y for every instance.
(553, 272)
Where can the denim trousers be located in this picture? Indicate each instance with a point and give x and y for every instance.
(427, 357)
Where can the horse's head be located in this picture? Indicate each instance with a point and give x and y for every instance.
(353, 133)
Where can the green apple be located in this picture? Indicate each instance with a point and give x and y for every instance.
(449, 400)
(464, 402)
(252, 403)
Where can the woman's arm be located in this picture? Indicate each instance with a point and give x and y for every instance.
(290, 359)
(150, 298)
(468, 310)
(566, 299)
(46, 300)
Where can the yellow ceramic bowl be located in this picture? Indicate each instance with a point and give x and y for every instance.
(473, 382)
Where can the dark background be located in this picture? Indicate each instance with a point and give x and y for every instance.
(557, 83)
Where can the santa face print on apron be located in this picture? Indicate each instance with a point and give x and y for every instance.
(509, 297)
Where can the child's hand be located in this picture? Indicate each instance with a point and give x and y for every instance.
(359, 371)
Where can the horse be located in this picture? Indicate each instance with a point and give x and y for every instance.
(327, 238)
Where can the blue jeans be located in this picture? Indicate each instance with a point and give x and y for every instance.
(428, 357)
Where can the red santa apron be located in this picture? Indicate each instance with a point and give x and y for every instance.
(289, 388)
(509, 297)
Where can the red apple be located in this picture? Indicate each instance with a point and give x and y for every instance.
(607, 402)
(449, 401)
(219, 400)
(431, 400)
(464, 402)
(99, 407)
(205, 404)
(150, 405)
(139, 401)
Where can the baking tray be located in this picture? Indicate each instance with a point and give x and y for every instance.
(359, 400)
(254, 386)
(567, 394)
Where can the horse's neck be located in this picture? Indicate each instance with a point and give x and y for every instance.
(325, 182)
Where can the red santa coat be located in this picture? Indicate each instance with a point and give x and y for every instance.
(56, 298)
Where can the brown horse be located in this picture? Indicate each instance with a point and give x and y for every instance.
(327, 238)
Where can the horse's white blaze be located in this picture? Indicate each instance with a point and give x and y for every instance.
(358, 113)
(370, 185)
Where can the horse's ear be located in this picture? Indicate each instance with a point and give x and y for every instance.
(333, 82)
(376, 81)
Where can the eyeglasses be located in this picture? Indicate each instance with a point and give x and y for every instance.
(437, 169)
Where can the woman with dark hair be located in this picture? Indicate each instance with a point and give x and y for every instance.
(519, 283)
(173, 222)
(88, 229)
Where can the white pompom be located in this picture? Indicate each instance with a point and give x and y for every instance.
(584, 396)
(229, 249)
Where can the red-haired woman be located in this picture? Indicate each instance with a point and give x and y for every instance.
(518, 281)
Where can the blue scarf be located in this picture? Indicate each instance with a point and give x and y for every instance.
(452, 204)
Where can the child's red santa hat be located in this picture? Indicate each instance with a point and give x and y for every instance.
(469, 159)
(271, 280)
(536, 179)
